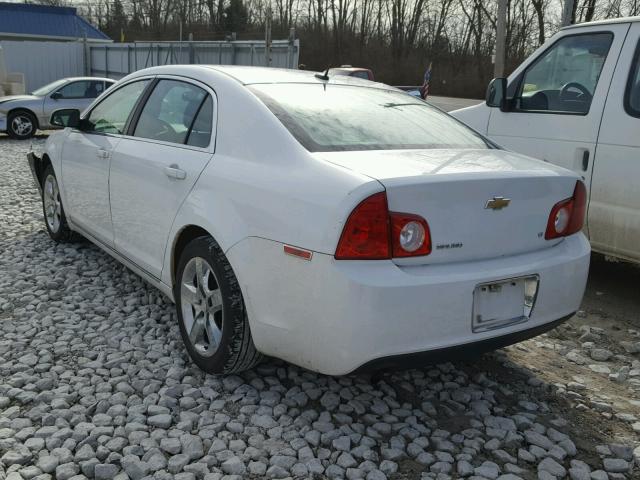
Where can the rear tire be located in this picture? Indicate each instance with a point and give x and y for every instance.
(54, 217)
(211, 311)
(21, 125)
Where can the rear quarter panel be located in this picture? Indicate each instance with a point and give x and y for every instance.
(262, 183)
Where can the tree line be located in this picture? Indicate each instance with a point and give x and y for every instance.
(397, 39)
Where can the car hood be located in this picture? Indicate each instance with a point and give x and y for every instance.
(392, 165)
(21, 98)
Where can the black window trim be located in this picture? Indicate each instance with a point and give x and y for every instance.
(633, 72)
(520, 77)
(86, 116)
(133, 121)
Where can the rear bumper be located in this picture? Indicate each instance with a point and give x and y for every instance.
(458, 352)
(337, 316)
(3, 122)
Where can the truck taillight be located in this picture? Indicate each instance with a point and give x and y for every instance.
(567, 216)
(373, 233)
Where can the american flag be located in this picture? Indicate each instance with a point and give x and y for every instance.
(424, 89)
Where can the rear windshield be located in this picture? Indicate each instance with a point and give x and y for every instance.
(331, 118)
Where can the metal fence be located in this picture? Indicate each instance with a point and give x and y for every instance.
(116, 60)
(44, 62)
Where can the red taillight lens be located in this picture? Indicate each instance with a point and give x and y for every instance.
(567, 216)
(410, 235)
(366, 234)
(374, 233)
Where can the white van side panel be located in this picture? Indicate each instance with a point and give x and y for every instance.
(561, 139)
(614, 208)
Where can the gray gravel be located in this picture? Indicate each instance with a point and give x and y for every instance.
(95, 383)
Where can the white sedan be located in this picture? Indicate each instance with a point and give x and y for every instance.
(335, 223)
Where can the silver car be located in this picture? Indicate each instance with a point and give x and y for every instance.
(22, 115)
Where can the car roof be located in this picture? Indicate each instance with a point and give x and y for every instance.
(102, 79)
(256, 75)
(603, 22)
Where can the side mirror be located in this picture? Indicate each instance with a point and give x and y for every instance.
(67, 117)
(56, 95)
(497, 94)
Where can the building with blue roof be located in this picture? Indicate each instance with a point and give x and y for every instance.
(20, 21)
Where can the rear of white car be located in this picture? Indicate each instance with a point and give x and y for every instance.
(459, 250)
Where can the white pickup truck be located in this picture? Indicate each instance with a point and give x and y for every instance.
(575, 102)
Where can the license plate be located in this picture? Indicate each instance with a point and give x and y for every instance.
(503, 303)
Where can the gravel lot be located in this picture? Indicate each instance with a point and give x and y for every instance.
(95, 383)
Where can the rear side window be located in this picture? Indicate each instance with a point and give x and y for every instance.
(632, 93)
(95, 89)
(200, 134)
(170, 111)
(329, 118)
(360, 74)
(111, 114)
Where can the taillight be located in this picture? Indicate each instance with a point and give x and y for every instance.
(567, 216)
(373, 233)
(410, 235)
(365, 236)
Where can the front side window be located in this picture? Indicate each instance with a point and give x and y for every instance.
(632, 93)
(564, 78)
(111, 114)
(169, 113)
(76, 90)
(326, 118)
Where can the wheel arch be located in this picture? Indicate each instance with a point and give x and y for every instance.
(41, 166)
(25, 109)
(181, 240)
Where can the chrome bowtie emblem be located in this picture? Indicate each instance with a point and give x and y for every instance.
(497, 203)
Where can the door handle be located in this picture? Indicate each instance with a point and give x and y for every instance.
(173, 171)
(102, 153)
(585, 160)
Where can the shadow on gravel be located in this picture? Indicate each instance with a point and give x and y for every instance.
(613, 289)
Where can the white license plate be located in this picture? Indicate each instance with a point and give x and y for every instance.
(503, 303)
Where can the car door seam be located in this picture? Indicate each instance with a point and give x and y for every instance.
(604, 110)
(173, 221)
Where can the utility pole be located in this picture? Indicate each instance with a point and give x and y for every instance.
(267, 38)
(501, 26)
(567, 12)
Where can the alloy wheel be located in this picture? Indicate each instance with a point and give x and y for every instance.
(52, 203)
(22, 125)
(201, 304)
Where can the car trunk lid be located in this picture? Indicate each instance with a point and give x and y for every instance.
(478, 203)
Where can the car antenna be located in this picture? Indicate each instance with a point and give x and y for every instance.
(323, 76)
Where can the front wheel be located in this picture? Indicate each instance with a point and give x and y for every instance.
(21, 125)
(211, 311)
(54, 217)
